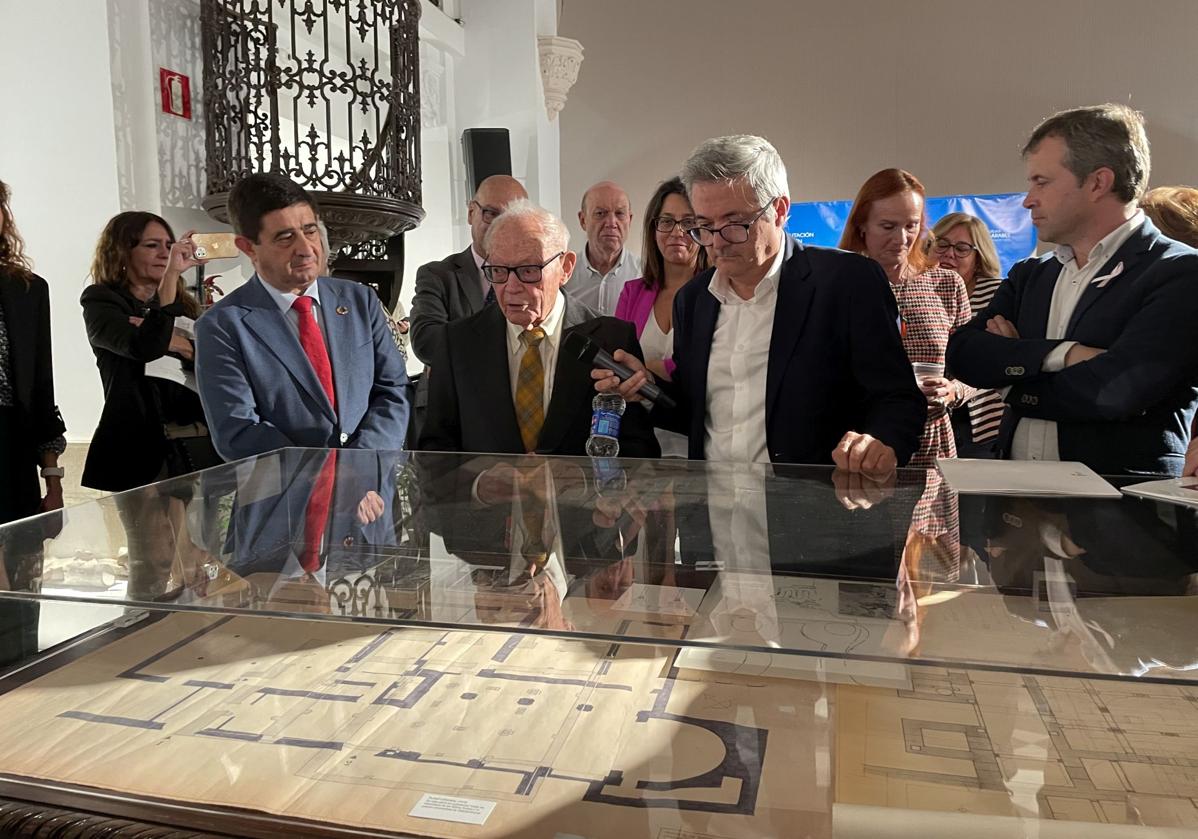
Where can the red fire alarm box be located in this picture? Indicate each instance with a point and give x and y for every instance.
(176, 93)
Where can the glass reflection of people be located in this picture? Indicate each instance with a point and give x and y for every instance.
(531, 588)
(887, 223)
(962, 243)
(31, 428)
(303, 519)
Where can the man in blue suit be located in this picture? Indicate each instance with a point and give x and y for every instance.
(293, 358)
(784, 353)
(1095, 341)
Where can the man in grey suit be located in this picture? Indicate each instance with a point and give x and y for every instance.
(292, 358)
(454, 287)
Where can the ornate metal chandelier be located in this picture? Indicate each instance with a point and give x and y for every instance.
(325, 92)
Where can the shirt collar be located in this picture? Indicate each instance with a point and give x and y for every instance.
(478, 260)
(722, 291)
(586, 261)
(1107, 245)
(552, 326)
(284, 299)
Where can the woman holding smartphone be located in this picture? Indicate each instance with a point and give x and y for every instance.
(130, 310)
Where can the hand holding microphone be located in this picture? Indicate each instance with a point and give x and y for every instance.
(623, 374)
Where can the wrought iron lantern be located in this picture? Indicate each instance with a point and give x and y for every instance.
(325, 92)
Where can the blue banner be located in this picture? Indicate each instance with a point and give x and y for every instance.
(1010, 225)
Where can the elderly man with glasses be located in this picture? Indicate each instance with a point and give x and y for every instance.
(784, 353)
(501, 382)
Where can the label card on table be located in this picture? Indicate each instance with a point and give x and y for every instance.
(448, 808)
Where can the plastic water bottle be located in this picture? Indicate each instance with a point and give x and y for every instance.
(607, 408)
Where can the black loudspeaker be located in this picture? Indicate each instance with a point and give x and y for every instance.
(487, 152)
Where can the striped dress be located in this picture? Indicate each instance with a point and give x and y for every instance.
(931, 305)
(982, 415)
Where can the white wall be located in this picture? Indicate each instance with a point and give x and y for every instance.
(484, 73)
(945, 88)
(58, 153)
(91, 140)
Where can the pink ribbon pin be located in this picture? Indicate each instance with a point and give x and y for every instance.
(1106, 278)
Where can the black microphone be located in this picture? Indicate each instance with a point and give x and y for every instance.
(589, 353)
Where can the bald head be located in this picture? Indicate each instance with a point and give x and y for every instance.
(605, 216)
(491, 198)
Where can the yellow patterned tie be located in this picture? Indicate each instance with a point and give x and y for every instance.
(530, 388)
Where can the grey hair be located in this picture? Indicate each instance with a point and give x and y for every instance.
(553, 229)
(739, 156)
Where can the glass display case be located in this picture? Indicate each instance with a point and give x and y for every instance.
(352, 643)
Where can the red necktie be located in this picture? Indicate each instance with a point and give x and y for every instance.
(313, 343)
(316, 514)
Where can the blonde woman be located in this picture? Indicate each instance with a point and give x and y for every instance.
(961, 243)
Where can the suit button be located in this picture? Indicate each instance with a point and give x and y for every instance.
(1012, 519)
(1028, 399)
(344, 437)
(1014, 371)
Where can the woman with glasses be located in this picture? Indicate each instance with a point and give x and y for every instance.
(887, 224)
(671, 258)
(961, 243)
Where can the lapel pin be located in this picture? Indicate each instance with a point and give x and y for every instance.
(1102, 281)
(342, 310)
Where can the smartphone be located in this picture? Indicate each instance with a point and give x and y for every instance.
(215, 245)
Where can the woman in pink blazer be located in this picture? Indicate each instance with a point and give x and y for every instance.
(670, 259)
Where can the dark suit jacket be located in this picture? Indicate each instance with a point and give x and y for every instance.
(836, 362)
(1129, 410)
(129, 447)
(470, 392)
(445, 291)
(260, 392)
(26, 311)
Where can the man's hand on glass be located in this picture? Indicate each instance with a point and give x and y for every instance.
(865, 454)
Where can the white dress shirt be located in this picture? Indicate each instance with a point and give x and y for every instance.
(548, 348)
(602, 291)
(657, 344)
(285, 299)
(1036, 439)
(734, 425)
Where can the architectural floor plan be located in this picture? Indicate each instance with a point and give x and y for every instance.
(355, 724)
(1019, 745)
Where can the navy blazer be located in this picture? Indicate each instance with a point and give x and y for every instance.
(260, 392)
(836, 361)
(1129, 410)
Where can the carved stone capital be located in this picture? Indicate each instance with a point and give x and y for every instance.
(560, 60)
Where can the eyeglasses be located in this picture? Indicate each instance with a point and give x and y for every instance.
(733, 234)
(961, 249)
(527, 274)
(489, 213)
(666, 224)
